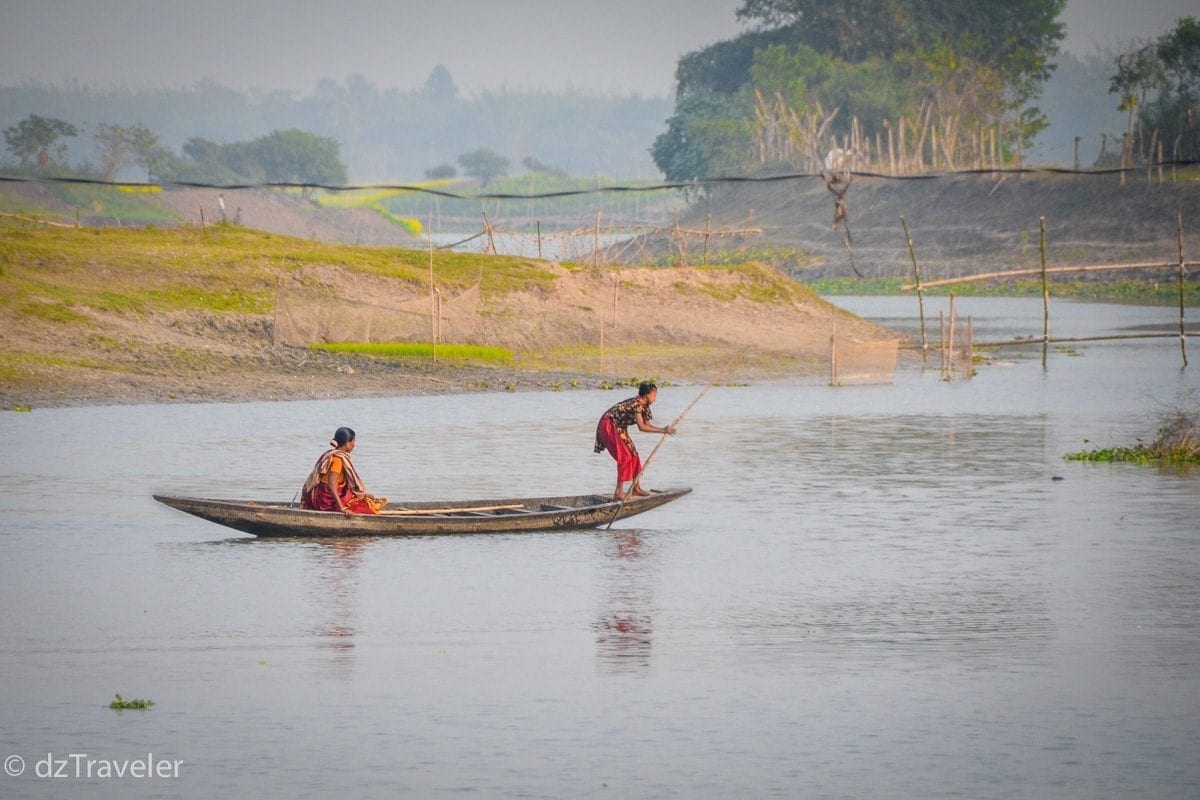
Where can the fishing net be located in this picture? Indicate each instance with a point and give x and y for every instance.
(303, 318)
(852, 361)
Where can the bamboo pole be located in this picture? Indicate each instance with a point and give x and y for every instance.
(487, 228)
(950, 346)
(833, 360)
(970, 369)
(1067, 339)
(1182, 335)
(596, 240)
(616, 283)
(433, 303)
(920, 292)
(1019, 273)
(1045, 291)
(707, 233)
(942, 338)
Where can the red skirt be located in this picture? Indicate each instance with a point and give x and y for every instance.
(629, 463)
(321, 499)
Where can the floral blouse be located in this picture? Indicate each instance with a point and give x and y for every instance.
(624, 414)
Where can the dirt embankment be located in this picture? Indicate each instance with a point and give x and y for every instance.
(960, 225)
(583, 328)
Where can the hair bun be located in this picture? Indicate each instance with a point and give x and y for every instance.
(333, 443)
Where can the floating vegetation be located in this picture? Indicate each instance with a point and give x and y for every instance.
(1178, 442)
(121, 704)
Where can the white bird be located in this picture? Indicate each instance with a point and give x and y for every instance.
(837, 158)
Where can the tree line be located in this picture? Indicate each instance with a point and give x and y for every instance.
(385, 135)
(291, 156)
(906, 85)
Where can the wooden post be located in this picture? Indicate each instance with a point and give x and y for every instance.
(201, 216)
(1078, 139)
(833, 379)
(487, 227)
(1182, 336)
(707, 231)
(1124, 154)
(433, 302)
(596, 240)
(1045, 290)
(950, 350)
(970, 368)
(920, 291)
(942, 338)
(437, 331)
(1160, 164)
(539, 238)
(616, 283)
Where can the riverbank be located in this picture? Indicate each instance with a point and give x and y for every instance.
(129, 316)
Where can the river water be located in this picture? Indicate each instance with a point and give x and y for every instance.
(894, 591)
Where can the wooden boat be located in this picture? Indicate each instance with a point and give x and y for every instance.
(517, 515)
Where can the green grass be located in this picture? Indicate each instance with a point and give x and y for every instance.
(421, 350)
(758, 283)
(219, 269)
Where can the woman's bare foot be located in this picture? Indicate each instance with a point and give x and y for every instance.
(640, 492)
(618, 495)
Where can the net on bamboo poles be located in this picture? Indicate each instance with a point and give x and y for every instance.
(855, 362)
(305, 318)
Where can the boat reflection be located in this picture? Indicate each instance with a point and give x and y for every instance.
(337, 561)
(625, 628)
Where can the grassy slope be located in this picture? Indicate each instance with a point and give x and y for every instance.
(62, 290)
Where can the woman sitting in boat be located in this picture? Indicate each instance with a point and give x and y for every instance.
(612, 434)
(334, 485)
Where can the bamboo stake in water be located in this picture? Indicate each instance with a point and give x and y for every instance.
(1046, 289)
(1182, 336)
(920, 291)
(950, 347)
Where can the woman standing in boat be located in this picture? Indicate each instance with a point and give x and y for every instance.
(334, 485)
(612, 434)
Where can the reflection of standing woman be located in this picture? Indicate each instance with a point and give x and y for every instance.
(612, 434)
(334, 485)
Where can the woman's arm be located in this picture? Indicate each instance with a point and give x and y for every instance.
(646, 427)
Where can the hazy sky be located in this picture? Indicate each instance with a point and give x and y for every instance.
(622, 46)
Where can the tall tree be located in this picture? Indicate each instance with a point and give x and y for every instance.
(1158, 86)
(439, 86)
(484, 165)
(112, 148)
(37, 139)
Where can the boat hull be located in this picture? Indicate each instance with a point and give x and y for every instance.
(515, 515)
